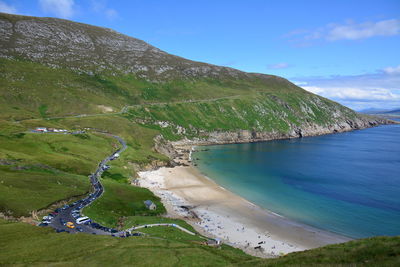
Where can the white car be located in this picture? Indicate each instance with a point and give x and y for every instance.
(82, 220)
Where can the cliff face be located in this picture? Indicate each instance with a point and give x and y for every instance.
(247, 136)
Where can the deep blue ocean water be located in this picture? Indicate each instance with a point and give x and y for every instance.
(347, 183)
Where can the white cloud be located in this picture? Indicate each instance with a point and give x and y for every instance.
(101, 8)
(278, 66)
(345, 31)
(353, 31)
(300, 83)
(6, 8)
(61, 8)
(392, 70)
(378, 90)
(349, 94)
(111, 13)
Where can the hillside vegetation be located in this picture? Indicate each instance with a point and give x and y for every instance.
(24, 244)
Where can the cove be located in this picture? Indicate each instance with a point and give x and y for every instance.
(347, 183)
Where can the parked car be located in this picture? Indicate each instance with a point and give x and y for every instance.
(70, 225)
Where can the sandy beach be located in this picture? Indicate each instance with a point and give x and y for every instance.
(216, 212)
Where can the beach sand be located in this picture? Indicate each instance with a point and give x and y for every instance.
(215, 212)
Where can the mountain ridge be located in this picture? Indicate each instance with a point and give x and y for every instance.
(141, 55)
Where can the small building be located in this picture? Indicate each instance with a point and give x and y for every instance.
(41, 129)
(150, 205)
(214, 242)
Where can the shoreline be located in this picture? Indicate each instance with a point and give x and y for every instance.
(218, 213)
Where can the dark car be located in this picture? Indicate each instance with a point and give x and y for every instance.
(43, 224)
(79, 229)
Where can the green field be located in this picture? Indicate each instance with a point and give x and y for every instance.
(37, 170)
(120, 201)
(23, 244)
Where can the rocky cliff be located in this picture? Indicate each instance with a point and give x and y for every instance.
(90, 49)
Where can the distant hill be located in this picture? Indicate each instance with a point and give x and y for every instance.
(380, 111)
(393, 111)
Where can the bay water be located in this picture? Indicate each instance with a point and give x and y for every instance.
(347, 183)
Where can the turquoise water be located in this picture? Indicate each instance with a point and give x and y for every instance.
(347, 183)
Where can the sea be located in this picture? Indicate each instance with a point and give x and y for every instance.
(346, 183)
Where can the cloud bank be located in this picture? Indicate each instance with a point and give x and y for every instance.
(345, 31)
(373, 90)
(353, 31)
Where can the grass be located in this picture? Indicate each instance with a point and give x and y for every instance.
(24, 191)
(66, 153)
(121, 200)
(376, 251)
(37, 170)
(23, 244)
(28, 245)
(273, 113)
(43, 111)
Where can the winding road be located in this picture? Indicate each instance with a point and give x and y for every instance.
(70, 213)
(60, 218)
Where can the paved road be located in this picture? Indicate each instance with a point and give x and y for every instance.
(125, 109)
(161, 224)
(70, 213)
(59, 218)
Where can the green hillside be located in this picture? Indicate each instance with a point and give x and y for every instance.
(24, 244)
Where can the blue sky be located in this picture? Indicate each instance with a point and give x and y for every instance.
(344, 50)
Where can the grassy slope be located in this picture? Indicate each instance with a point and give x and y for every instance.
(56, 166)
(31, 90)
(40, 169)
(121, 200)
(260, 112)
(29, 245)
